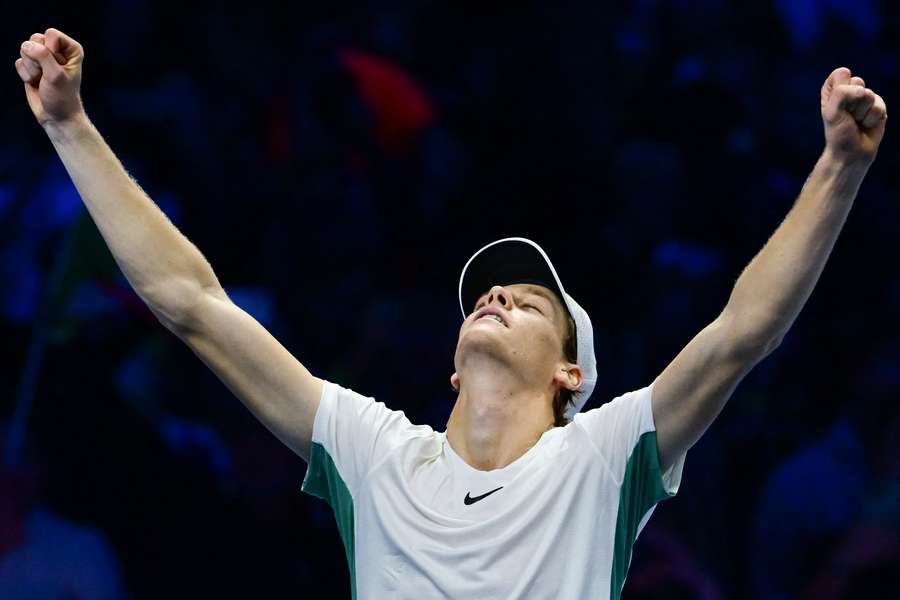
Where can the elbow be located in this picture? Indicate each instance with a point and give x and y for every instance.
(752, 342)
(770, 346)
(749, 350)
(175, 303)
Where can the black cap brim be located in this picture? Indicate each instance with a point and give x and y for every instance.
(506, 262)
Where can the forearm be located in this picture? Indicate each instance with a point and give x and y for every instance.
(773, 288)
(162, 265)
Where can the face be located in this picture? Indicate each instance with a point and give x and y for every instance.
(520, 325)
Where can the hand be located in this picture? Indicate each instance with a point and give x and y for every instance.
(50, 67)
(854, 117)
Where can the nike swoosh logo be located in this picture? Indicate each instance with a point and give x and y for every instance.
(470, 500)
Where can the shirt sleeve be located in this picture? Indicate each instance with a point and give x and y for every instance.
(352, 434)
(624, 434)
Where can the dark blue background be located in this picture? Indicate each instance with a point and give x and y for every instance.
(651, 147)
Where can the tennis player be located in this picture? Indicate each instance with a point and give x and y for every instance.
(524, 495)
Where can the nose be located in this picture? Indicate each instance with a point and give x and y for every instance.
(501, 295)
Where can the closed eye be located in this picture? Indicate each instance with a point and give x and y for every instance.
(532, 306)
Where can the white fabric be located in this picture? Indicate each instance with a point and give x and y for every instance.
(548, 533)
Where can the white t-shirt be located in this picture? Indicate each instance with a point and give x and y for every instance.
(418, 522)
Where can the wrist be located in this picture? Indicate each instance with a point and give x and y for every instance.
(850, 164)
(67, 129)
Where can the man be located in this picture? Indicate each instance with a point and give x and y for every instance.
(503, 504)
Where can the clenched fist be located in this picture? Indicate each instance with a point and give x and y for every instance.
(854, 117)
(50, 67)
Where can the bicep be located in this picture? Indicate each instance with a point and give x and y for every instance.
(692, 390)
(256, 367)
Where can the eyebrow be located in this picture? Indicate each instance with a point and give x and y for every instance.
(547, 295)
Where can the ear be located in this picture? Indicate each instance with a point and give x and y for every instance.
(454, 381)
(568, 376)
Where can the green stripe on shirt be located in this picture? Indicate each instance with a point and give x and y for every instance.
(642, 487)
(323, 480)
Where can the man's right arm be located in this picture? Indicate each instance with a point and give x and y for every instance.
(165, 269)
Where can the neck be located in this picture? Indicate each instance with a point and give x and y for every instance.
(494, 422)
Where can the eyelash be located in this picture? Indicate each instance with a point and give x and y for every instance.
(479, 305)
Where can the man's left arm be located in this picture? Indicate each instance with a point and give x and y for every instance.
(769, 294)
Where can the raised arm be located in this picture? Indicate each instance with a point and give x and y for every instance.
(165, 269)
(773, 288)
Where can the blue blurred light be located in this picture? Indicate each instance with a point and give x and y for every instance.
(6, 198)
(21, 289)
(137, 378)
(690, 69)
(805, 19)
(802, 20)
(170, 205)
(863, 15)
(632, 42)
(87, 301)
(197, 439)
(781, 183)
(54, 205)
(741, 140)
(257, 302)
(692, 260)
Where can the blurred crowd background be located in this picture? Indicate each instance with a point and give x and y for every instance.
(337, 163)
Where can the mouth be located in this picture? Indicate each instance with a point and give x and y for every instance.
(492, 318)
(491, 313)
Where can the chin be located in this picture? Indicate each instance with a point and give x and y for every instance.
(480, 340)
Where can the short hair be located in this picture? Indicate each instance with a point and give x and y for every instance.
(563, 397)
